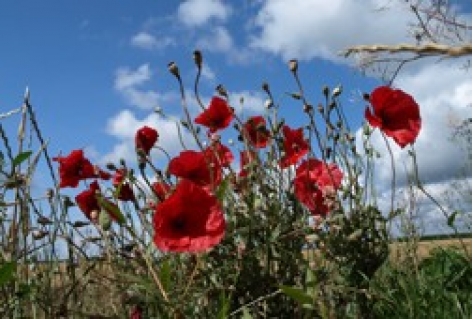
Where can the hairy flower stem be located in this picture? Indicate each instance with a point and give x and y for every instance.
(392, 161)
(154, 275)
(186, 112)
(196, 86)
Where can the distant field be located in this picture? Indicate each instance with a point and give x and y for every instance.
(425, 246)
(401, 249)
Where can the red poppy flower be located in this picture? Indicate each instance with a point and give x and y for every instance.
(316, 183)
(125, 191)
(310, 195)
(145, 138)
(217, 116)
(325, 175)
(195, 166)
(88, 201)
(294, 145)
(255, 132)
(189, 220)
(161, 190)
(75, 167)
(220, 153)
(246, 158)
(395, 113)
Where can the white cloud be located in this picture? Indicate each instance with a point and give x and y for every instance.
(305, 29)
(128, 83)
(145, 40)
(123, 127)
(245, 102)
(194, 13)
(219, 40)
(207, 73)
(126, 78)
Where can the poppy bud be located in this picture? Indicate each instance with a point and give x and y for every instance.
(307, 108)
(320, 109)
(293, 65)
(222, 91)
(111, 166)
(38, 234)
(265, 87)
(337, 91)
(49, 193)
(268, 104)
(197, 56)
(325, 91)
(173, 68)
(42, 220)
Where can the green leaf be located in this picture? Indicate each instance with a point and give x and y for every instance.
(165, 274)
(224, 310)
(451, 218)
(297, 294)
(111, 209)
(7, 272)
(221, 190)
(20, 158)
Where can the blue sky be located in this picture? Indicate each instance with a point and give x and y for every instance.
(97, 69)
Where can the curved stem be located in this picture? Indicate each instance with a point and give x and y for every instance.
(392, 161)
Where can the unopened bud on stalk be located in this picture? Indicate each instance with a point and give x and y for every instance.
(307, 108)
(111, 166)
(38, 234)
(266, 87)
(68, 202)
(366, 130)
(325, 91)
(293, 65)
(42, 220)
(328, 152)
(197, 56)
(337, 91)
(49, 193)
(268, 104)
(173, 68)
(321, 108)
(222, 91)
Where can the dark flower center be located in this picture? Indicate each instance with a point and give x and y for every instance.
(178, 224)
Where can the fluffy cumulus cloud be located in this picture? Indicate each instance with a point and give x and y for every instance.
(147, 41)
(123, 127)
(129, 83)
(306, 29)
(218, 40)
(247, 102)
(195, 13)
